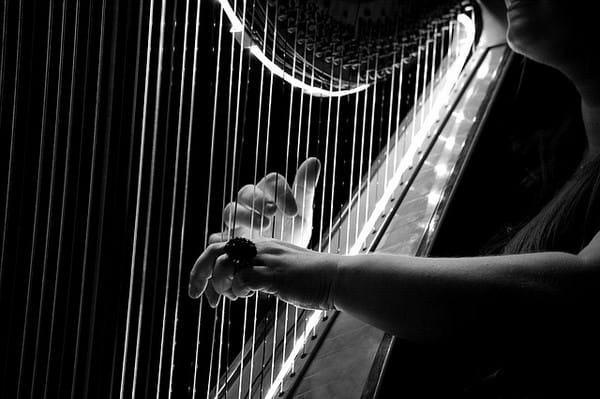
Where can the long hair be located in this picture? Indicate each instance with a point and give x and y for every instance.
(569, 188)
(569, 221)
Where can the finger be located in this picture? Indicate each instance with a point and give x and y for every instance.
(305, 183)
(254, 198)
(211, 295)
(215, 238)
(225, 235)
(203, 269)
(259, 278)
(223, 274)
(276, 188)
(236, 215)
(238, 288)
(230, 295)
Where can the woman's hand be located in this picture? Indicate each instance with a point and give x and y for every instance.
(297, 275)
(285, 268)
(272, 208)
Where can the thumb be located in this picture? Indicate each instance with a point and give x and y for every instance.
(305, 183)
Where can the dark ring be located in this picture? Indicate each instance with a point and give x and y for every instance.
(241, 251)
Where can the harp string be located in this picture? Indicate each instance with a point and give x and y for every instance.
(265, 171)
(209, 197)
(50, 202)
(433, 64)
(64, 198)
(335, 147)
(399, 132)
(390, 110)
(302, 206)
(307, 152)
(252, 221)
(138, 204)
(326, 163)
(2, 66)
(150, 190)
(228, 233)
(80, 172)
(234, 174)
(185, 197)
(286, 179)
(104, 181)
(175, 183)
(38, 190)
(416, 91)
(352, 158)
(130, 171)
(244, 116)
(89, 210)
(368, 203)
(423, 101)
(363, 136)
(13, 123)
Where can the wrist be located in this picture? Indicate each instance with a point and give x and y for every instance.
(334, 272)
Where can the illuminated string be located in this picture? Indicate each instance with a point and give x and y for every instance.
(211, 164)
(286, 178)
(353, 156)
(158, 245)
(150, 192)
(433, 64)
(326, 165)
(183, 217)
(362, 151)
(220, 351)
(103, 185)
(37, 198)
(335, 148)
(371, 133)
(399, 104)
(244, 116)
(174, 197)
(258, 136)
(212, 355)
(138, 197)
(13, 119)
(416, 95)
(302, 208)
(235, 180)
(50, 202)
(231, 232)
(265, 171)
(306, 155)
(423, 101)
(390, 110)
(64, 197)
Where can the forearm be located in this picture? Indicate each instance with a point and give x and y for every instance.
(481, 299)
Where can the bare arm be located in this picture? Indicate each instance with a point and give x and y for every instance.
(484, 299)
(503, 301)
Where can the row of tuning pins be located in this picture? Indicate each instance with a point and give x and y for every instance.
(327, 41)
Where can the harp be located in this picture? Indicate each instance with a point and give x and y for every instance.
(127, 128)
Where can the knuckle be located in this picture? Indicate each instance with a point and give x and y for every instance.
(213, 248)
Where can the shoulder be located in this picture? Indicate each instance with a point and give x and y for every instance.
(591, 253)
